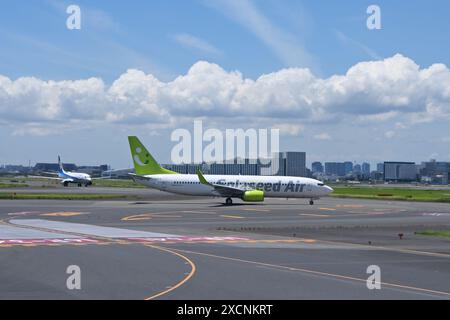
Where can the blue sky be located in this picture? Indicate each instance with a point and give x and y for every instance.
(166, 38)
(36, 42)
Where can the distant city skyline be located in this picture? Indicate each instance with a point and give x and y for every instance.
(287, 164)
(308, 165)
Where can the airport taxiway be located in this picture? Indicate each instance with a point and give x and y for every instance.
(193, 248)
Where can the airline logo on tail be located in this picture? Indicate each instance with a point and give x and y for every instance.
(144, 163)
(137, 158)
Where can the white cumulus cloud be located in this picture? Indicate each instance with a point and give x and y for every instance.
(289, 128)
(394, 89)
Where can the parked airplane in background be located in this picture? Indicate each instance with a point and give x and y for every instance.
(247, 188)
(67, 177)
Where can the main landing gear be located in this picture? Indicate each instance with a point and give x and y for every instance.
(66, 184)
(228, 201)
(311, 202)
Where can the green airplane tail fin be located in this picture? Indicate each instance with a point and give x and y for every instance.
(144, 163)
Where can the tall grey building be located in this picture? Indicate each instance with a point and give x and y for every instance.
(295, 163)
(317, 167)
(400, 171)
(348, 165)
(380, 167)
(366, 168)
(335, 168)
(290, 163)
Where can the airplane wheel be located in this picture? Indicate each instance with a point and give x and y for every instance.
(229, 202)
(79, 184)
(311, 202)
(66, 184)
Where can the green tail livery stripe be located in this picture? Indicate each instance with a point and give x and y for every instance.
(144, 163)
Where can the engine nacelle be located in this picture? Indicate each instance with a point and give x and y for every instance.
(253, 196)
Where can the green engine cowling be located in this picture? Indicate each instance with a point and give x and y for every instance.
(253, 196)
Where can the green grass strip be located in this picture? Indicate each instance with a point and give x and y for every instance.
(434, 233)
(12, 185)
(405, 194)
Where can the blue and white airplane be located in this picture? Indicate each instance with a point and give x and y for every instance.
(73, 177)
(67, 177)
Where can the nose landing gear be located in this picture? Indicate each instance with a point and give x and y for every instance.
(311, 202)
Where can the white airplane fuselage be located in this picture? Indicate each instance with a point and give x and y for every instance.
(273, 186)
(74, 177)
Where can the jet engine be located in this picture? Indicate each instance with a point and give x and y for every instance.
(253, 196)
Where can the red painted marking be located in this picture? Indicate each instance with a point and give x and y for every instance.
(187, 239)
(139, 240)
(47, 241)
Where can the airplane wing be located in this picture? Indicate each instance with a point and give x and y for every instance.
(44, 177)
(224, 191)
(50, 173)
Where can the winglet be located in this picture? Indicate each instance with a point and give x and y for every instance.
(202, 178)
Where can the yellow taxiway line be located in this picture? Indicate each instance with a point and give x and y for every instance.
(314, 215)
(231, 217)
(63, 214)
(258, 210)
(327, 209)
(183, 281)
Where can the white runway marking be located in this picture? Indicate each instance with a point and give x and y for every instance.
(23, 213)
(8, 232)
(27, 232)
(86, 229)
(437, 214)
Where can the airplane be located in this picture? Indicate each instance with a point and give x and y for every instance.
(73, 177)
(245, 187)
(67, 177)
